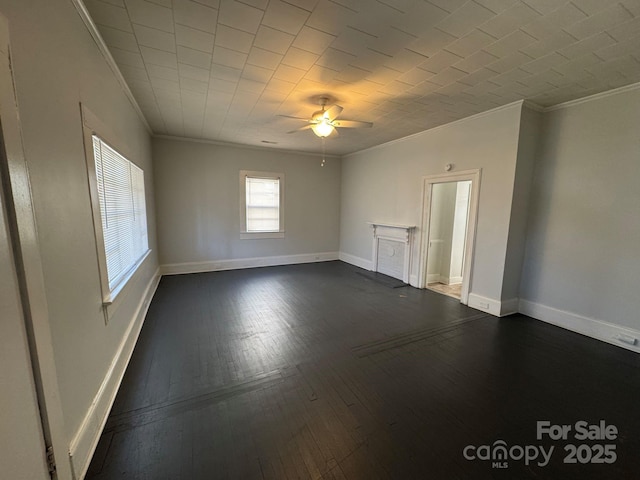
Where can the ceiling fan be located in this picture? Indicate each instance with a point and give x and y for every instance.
(325, 121)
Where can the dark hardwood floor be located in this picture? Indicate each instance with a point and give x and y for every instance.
(316, 372)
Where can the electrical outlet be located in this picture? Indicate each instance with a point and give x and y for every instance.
(628, 339)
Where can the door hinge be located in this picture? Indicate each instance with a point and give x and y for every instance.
(51, 461)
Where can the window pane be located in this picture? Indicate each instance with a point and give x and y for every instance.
(263, 204)
(123, 210)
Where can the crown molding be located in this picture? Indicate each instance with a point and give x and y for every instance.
(590, 98)
(438, 127)
(104, 50)
(242, 145)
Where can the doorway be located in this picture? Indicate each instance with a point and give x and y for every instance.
(447, 234)
(450, 204)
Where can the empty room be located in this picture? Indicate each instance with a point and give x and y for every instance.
(319, 239)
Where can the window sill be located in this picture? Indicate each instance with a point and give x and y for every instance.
(260, 235)
(110, 299)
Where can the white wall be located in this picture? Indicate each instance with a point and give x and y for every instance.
(459, 231)
(384, 184)
(443, 204)
(197, 187)
(529, 140)
(582, 254)
(57, 66)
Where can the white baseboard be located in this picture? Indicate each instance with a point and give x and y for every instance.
(433, 278)
(494, 307)
(591, 327)
(413, 280)
(86, 438)
(357, 261)
(240, 263)
(454, 280)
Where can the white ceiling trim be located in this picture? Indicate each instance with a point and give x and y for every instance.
(455, 122)
(591, 98)
(104, 50)
(250, 147)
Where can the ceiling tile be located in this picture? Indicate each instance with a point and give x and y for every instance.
(589, 44)
(234, 39)
(195, 15)
(609, 18)
(238, 15)
(134, 74)
(159, 57)
(258, 74)
(273, 40)
(313, 40)
(549, 44)
(285, 17)
(230, 58)
(440, 61)
(476, 61)
(509, 62)
(543, 64)
(563, 17)
(330, 17)
(408, 65)
(109, 15)
(193, 73)
(191, 85)
(165, 73)
(291, 74)
(222, 72)
(154, 38)
(150, 15)
(192, 57)
(193, 38)
(431, 42)
(264, 58)
(470, 43)
(448, 5)
(465, 19)
(510, 20)
(510, 44)
(119, 39)
(299, 58)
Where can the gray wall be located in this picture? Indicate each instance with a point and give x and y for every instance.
(584, 228)
(528, 146)
(197, 187)
(56, 66)
(384, 184)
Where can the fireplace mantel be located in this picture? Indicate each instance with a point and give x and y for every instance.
(394, 238)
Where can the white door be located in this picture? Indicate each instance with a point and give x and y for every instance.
(22, 447)
(28, 414)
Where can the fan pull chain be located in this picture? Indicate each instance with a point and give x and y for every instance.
(323, 160)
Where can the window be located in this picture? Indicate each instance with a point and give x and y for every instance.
(123, 216)
(261, 201)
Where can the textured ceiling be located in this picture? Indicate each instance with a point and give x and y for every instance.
(223, 69)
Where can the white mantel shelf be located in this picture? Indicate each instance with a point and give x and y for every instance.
(393, 232)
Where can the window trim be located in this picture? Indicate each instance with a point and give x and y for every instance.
(244, 234)
(91, 125)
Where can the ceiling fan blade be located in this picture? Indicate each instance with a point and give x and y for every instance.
(291, 116)
(333, 112)
(306, 127)
(352, 124)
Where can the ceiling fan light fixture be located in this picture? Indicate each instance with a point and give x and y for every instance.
(322, 128)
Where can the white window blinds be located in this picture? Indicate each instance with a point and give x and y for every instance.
(262, 204)
(122, 210)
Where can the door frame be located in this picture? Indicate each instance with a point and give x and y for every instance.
(474, 199)
(14, 174)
